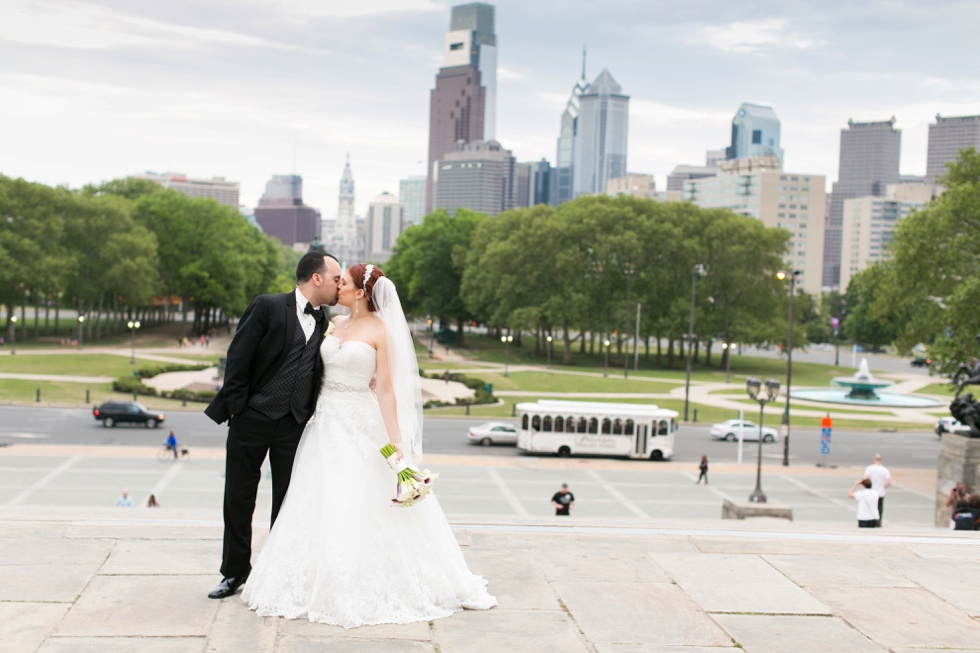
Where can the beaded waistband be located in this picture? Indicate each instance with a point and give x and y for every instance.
(333, 386)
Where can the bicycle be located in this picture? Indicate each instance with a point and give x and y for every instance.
(167, 454)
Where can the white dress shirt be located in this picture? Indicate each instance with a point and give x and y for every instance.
(306, 320)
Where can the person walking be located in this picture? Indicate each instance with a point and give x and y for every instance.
(171, 444)
(704, 470)
(272, 379)
(880, 479)
(867, 503)
(124, 500)
(563, 501)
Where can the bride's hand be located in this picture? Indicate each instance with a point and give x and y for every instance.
(400, 450)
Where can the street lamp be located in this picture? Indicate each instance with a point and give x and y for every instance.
(698, 271)
(133, 325)
(628, 272)
(728, 347)
(548, 350)
(605, 369)
(506, 340)
(81, 323)
(789, 360)
(753, 387)
(13, 334)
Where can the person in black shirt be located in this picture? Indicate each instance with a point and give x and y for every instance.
(563, 501)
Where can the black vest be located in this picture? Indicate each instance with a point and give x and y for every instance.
(289, 390)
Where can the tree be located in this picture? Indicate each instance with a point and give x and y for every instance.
(863, 324)
(935, 277)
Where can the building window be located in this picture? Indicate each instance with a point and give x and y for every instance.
(757, 137)
(455, 46)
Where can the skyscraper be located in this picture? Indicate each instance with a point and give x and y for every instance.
(755, 132)
(869, 156)
(563, 172)
(216, 188)
(411, 194)
(384, 225)
(341, 235)
(477, 176)
(601, 135)
(462, 106)
(282, 214)
(946, 138)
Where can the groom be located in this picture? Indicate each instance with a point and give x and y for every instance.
(272, 379)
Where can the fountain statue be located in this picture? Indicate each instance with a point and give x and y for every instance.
(862, 384)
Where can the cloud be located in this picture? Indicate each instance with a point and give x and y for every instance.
(752, 37)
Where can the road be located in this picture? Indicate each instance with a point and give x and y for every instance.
(916, 450)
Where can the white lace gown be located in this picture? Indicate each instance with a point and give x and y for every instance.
(339, 553)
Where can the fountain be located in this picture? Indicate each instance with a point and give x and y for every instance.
(862, 384)
(861, 390)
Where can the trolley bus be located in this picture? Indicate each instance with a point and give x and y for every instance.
(578, 427)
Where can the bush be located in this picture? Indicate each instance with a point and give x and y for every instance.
(130, 384)
(203, 396)
(150, 372)
(478, 385)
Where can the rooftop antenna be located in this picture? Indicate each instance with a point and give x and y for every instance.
(583, 62)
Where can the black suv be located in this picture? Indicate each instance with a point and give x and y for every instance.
(120, 412)
(921, 361)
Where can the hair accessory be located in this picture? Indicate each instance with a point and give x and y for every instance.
(367, 275)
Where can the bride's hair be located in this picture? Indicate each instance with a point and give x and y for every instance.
(357, 276)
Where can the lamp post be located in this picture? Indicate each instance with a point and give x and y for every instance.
(133, 325)
(753, 387)
(506, 340)
(789, 360)
(81, 324)
(13, 334)
(605, 369)
(698, 271)
(547, 348)
(628, 272)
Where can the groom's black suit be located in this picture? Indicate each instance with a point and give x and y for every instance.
(272, 379)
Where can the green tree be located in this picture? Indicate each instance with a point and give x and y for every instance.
(935, 277)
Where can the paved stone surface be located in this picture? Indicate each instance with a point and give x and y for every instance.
(646, 564)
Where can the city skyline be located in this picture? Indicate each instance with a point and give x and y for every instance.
(102, 90)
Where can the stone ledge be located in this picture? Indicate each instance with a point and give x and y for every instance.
(732, 509)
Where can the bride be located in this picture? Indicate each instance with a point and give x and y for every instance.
(339, 553)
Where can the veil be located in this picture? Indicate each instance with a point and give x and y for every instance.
(404, 367)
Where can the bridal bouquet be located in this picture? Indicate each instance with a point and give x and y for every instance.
(413, 486)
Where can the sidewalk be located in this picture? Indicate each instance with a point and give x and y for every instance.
(111, 581)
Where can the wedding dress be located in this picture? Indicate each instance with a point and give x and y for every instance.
(339, 553)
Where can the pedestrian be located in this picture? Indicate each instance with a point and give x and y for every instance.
(445, 376)
(563, 501)
(880, 478)
(867, 503)
(152, 502)
(704, 470)
(124, 500)
(172, 444)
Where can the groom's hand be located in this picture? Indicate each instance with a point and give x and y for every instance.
(374, 385)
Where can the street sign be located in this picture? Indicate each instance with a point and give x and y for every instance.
(825, 426)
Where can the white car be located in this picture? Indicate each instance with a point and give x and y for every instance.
(728, 430)
(493, 433)
(950, 425)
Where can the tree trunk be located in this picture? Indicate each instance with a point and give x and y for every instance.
(670, 353)
(566, 355)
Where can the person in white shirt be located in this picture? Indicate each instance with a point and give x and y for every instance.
(880, 478)
(124, 500)
(867, 502)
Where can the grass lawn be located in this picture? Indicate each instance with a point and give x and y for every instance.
(74, 364)
(546, 382)
(66, 393)
(940, 390)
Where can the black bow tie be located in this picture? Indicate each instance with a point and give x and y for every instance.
(317, 313)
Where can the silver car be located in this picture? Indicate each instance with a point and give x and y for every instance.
(729, 430)
(493, 433)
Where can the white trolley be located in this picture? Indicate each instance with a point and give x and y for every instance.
(565, 428)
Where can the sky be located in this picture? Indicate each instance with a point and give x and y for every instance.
(244, 89)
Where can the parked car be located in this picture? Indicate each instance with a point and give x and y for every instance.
(126, 412)
(921, 361)
(950, 424)
(728, 430)
(493, 433)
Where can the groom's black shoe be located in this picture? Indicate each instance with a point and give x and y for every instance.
(227, 587)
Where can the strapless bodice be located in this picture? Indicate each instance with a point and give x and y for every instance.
(348, 366)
